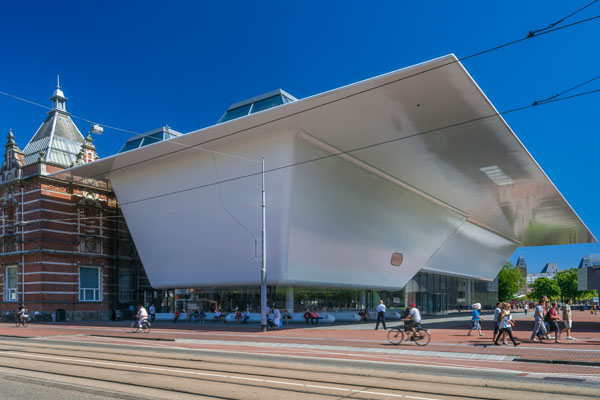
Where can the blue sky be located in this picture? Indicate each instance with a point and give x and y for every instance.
(139, 65)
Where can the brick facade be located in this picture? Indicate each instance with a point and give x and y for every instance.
(64, 245)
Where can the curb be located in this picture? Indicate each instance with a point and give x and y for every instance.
(565, 362)
(135, 337)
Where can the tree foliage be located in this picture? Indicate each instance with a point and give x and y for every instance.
(510, 281)
(545, 287)
(567, 282)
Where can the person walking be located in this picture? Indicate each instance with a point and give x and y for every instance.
(538, 326)
(506, 324)
(526, 307)
(554, 319)
(476, 319)
(381, 315)
(497, 312)
(567, 318)
(276, 317)
(152, 313)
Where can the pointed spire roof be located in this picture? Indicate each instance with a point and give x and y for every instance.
(58, 137)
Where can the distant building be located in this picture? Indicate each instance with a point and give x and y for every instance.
(549, 270)
(588, 273)
(522, 266)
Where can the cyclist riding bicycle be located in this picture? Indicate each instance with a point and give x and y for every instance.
(413, 319)
(22, 313)
(142, 315)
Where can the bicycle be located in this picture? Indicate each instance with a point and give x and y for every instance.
(146, 326)
(420, 336)
(21, 321)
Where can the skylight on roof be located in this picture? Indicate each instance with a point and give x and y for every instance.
(145, 139)
(257, 104)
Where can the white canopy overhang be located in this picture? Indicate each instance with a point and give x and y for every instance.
(427, 129)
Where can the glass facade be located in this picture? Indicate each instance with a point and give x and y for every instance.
(434, 294)
(437, 294)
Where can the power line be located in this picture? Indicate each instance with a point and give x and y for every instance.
(357, 149)
(535, 103)
(342, 98)
(196, 146)
(533, 33)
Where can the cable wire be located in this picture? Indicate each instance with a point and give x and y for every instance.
(533, 33)
(100, 175)
(497, 114)
(535, 103)
(196, 146)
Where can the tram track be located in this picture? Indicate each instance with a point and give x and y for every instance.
(120, 366)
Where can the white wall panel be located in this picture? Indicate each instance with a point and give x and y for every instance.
(472, 251)
(346, 223)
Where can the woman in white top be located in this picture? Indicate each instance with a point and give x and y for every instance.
(506, 324)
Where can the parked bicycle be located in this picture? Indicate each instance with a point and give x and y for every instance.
(146, 326)
(399, 335)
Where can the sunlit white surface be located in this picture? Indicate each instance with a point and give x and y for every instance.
(452, 196)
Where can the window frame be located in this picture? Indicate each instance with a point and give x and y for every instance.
(96, 292)
(15, 290)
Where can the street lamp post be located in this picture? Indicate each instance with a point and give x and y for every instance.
(263, 271)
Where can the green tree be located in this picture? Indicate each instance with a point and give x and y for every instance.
(567, 282)
(510, 281)
(545, 287)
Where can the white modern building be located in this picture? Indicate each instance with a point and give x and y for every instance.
(367, 185)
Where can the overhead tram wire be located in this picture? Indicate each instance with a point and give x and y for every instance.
(196, 146)
(123, 130)
(538, 102)
(358, 148)
(103, 173)
(533, 33)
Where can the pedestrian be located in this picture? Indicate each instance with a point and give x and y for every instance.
(526, 307)
(497, 312)
(152, 313)
(553, 320)
(567, 318)
(276, 317)
(506, 324)
(381, 315)
(538, 326)
(476, 319)
(176, 316)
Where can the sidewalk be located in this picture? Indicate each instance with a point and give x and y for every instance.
(449, 345)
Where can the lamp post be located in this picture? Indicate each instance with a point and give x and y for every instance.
(263, 271)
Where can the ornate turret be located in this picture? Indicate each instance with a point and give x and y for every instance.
(13, 160)
(88, 152)
(58, 98)
(58, 137)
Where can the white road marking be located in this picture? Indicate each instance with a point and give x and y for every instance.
(328, 388)
(285, 383)
(381, 394)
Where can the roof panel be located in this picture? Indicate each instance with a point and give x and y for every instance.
(408, 110)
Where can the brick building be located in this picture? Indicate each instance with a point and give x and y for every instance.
(64, 245)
